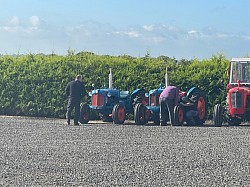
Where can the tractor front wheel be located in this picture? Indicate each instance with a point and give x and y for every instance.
(140, 114)
(84, 113)
(178, 115)
(118, 114)
(218, 115)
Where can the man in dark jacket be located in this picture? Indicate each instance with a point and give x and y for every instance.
(75, 91)
(168, 100)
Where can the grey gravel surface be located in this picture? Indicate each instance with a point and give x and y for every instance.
(46, 152)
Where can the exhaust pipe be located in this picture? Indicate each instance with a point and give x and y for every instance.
(166, 78)
(110, 79)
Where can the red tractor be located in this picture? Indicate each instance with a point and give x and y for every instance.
(237, 108)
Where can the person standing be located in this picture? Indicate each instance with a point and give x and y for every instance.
(168, 100)
(75, 90)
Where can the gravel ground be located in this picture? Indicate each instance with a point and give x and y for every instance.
(46, 152)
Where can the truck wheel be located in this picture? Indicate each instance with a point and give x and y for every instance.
(118, 114)
(218, 115)
(178, 115)
(140, 114)
(84, 113)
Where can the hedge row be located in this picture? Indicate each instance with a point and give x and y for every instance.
(33, 85)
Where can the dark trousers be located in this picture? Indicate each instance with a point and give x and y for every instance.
(73, 104)
(166, 104)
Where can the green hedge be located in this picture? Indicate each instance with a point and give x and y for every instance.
(33, 85)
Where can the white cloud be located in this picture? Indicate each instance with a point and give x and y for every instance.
(133, 34)
(154, 40)
(170, 27)
(15, 25)
(14, 21)
(130, 34)
(247, 37)
(196, 34)
(192, 32)
(34, 21)
(222, 35)
(148, 27)
(160, 39)
(12, 25)
(78, 31)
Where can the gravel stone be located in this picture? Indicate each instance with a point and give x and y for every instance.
(46, 152)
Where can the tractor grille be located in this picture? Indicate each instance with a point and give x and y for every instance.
(236, 99)
(154, 100)
(97, 100)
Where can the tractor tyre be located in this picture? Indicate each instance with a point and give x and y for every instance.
(140, 114)
(202, 107)
(218, 115)
(84, 113)
(118, 114)
(178, 115)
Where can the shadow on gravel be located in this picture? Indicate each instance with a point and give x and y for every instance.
(208, 124)
(205, 125)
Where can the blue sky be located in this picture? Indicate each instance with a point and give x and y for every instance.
(175, 28)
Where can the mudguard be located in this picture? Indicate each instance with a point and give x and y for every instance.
(193, 90)
(138, 96)
(202, 103)
(139, 91)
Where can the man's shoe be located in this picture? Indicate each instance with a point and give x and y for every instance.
(76, 124)
(68, 123)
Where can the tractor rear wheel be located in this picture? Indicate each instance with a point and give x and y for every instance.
(178, 115)
(201, 108)
(218, 115)
(84, 113)
(118, 114)
(140, 114)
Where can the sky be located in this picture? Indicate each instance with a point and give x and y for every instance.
(175, 28)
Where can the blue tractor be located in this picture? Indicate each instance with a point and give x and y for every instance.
(144, 114)
(151, 112)
(111, 104)
(199, 100)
